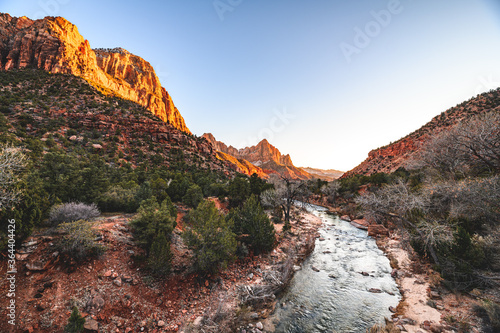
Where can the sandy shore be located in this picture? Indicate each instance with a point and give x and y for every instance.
(414, 307)
(426, 305)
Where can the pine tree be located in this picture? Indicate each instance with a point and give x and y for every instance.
(151, 220)
(160, 256)
(75, 322)
(210, 237)
(193, 196)
(253, 223)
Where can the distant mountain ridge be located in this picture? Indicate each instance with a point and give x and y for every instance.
(328, 175)
(264, 156)
(55, 45)
(395, 155)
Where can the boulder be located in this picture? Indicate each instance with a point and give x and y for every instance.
(118, 281)
(22, 257)
(253, 315)
(36, 265)
(375, 230)
(375, 290)
(197, 321)
(360, 224)
(29, 243)
(91, 325)
(97, 302)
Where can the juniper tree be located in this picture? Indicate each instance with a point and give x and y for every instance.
(75, 322)
(253, 224)
(210, 237)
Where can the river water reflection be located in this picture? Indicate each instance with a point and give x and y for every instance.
(331, 291)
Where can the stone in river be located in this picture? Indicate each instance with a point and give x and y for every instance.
(375, 290)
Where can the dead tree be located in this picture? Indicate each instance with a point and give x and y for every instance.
(285, 193)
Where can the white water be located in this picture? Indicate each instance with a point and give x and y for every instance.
(336, 299)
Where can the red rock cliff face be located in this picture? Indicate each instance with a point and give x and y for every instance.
(221, 146)
(264, 156)
(388, 159)
(55, 45)
(270, 158)
(264, 152)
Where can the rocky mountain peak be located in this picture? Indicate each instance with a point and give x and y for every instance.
(263, 155)
(54, 44)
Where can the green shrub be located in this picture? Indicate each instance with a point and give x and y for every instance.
(78, 241)
(493, 311)
(75, 322)
(119, 199)
(490, 312)
(71, 132)
(254, 225)
(215, 190)
(145, 192)
(239, 190)
(29, 212)
(159, 188)
(210, 237)
(465, 249)
(151, 220)
(193, 196)
(170, 207)
(160, 256)
(178, 187)
(258, 185)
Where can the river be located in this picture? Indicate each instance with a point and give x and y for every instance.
(331, 291)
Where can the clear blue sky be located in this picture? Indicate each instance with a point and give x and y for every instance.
(325, 81)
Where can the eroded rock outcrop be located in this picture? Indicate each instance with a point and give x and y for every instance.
(54, 44)
(263, 158)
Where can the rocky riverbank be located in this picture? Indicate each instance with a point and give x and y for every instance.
(116, 294)
(427, 306)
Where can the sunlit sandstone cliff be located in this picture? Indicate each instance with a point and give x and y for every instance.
(55, 45)
(264, 157)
